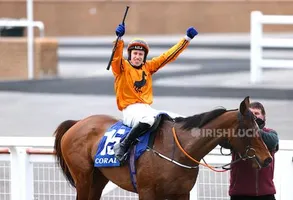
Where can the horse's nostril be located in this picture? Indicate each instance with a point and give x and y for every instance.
(267, 162)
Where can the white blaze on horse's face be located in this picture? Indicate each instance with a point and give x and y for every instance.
(137, 57)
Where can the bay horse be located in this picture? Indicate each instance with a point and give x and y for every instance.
(157, 178)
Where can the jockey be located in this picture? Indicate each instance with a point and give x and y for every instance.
(133, 84)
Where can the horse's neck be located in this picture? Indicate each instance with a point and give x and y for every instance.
(203, 145)
(199, 142)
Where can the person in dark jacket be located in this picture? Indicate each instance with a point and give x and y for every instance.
(247, 183)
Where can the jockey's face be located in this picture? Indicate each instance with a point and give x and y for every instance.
(137, 57)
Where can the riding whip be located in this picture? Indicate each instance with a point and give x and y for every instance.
(115, 46)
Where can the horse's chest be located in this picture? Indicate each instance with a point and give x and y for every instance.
(172, 185)
(179, 179)
(186, 175)
(165, 176)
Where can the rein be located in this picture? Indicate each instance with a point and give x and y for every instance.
(224, 167)
(245, 157)
(191, 158)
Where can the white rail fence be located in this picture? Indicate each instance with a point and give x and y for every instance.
(28, 172)
(258, 41)
(7, 23)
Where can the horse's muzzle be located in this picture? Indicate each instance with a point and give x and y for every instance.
(263, 164)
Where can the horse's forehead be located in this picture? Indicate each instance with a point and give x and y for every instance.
(239, 116)
(248, 115)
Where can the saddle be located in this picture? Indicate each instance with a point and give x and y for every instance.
(152, 130)
(117, 132)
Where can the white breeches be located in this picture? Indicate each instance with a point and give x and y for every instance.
(139, 112)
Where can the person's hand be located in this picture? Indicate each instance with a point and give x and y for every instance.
(191, 32)
(120, 30)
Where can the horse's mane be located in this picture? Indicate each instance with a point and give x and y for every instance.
(199, 120)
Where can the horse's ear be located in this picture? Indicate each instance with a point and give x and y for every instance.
(244, 105)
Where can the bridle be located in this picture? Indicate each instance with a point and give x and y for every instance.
(240, 158)
(248, 149)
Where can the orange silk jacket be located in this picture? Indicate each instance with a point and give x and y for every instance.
(135, 85)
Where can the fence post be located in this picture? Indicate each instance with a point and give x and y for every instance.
(15, 186)
(21, 174)
(30, 39)
(256, 33)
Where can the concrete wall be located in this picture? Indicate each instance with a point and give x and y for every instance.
(100, 17)
(13, 54)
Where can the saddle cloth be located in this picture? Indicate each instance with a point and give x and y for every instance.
(105, 153)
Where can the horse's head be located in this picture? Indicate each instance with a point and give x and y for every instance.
(247, 141)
